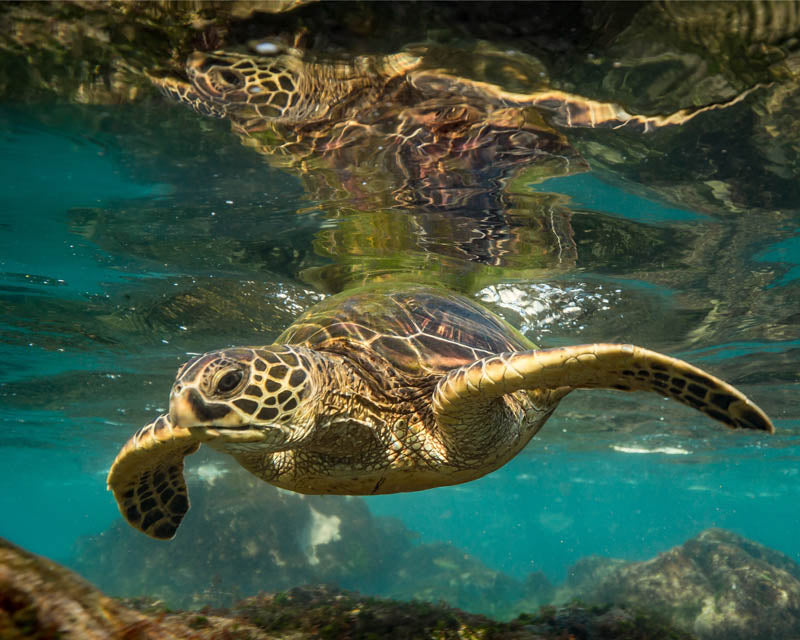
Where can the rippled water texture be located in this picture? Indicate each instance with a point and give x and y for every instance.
(136, 232)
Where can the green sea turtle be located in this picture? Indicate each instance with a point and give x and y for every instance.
(384, 390)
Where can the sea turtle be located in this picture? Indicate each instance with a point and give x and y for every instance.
(384, 390)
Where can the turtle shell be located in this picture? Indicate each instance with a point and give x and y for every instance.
(419, 330)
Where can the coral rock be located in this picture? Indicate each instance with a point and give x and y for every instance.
(717, 585)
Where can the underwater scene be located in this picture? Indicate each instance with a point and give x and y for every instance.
(317, 319)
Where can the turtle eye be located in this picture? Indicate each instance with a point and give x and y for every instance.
(230, 78)
(229, 381)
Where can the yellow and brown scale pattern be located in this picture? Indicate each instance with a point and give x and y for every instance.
(155, 498)
(418, 331)
(273, 390)
(289, 89)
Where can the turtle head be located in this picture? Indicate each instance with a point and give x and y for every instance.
(248, 85)
(247, 395)
(180, 90)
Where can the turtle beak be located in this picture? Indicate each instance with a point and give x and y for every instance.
(211, 421)
(180, 409)
(188, 409)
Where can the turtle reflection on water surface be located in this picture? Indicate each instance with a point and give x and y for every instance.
(384, 390)
(425, 134)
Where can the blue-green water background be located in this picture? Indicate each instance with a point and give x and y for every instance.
(70, 396)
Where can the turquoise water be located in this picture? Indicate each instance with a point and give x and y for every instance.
(132, 237)
(571, 493)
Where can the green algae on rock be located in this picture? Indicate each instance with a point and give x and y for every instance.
(40, 600)
(325, 612)
(718, 585)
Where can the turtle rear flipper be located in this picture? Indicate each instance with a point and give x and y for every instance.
(470, 390)
(147, 478)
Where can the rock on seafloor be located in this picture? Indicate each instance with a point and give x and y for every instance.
(41, 600)
(718, 585)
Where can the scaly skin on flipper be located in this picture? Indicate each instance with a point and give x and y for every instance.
(469, 389)
(147, 478)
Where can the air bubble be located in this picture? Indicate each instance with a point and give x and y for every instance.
(266, 48)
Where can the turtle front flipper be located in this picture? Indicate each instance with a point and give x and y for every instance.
(469, 391)
(147, 478)
(182, 91)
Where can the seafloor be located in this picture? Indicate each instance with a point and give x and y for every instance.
(717, 585)
(42, 600)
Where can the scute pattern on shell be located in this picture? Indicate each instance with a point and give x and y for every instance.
(419, 330)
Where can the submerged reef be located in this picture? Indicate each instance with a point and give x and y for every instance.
(717, 585)
(41, 600)
(242, 538)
